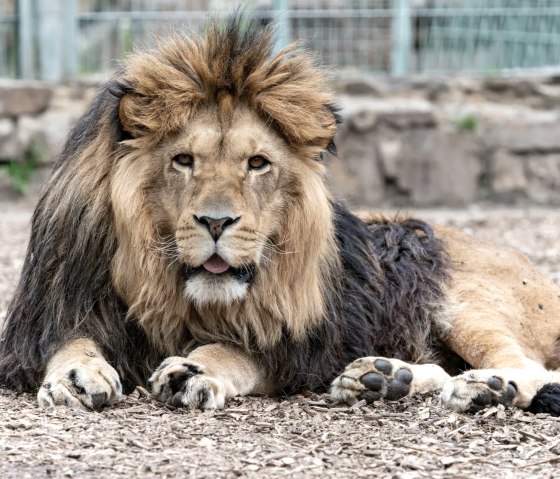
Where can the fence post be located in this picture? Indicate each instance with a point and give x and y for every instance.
(402, 38)
(51, 37)
(26, 56)
(70, 38)
(282, 21)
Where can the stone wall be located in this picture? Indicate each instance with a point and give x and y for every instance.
(34, 120)
(417, 142)
(37, 116)
(449, 142)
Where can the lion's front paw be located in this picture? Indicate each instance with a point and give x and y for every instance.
(183, 383)
(372, 378)
(477, 389)
(89, 384)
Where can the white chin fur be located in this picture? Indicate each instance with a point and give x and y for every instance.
(205, 289)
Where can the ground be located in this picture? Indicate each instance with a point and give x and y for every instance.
(296, 437)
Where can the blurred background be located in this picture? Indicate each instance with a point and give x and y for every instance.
(445, 102)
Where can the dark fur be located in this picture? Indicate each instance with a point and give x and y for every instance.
(547, 400)
(65, 289)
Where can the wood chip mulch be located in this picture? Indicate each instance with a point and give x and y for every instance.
(261, 437)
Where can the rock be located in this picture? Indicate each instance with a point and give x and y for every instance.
(495, 116)
(440, 167)
(390, 149)
(436, 89)
(363, 121)
(11, 148)
(467, 85)
(543, 174)
(514, 87)
(47, 133)
(355, 173)
(363, 86)
(408, 119)
(508, 174)
(23, 98)
(364, 112)
(525, 138)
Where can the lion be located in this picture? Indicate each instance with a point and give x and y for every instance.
(188, 240)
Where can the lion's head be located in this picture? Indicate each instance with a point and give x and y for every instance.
(218, 189)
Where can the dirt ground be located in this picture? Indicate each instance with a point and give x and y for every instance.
(300, 436)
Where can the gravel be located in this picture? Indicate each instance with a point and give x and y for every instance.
(299, 436)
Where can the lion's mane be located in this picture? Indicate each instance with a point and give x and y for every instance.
(347, 289)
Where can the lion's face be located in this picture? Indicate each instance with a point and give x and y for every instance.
(221, 191)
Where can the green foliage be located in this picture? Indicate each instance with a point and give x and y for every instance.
(20, 172)
(467, 123)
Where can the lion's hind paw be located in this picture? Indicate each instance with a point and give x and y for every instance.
(179, 382)
(372, 379)
(476, 390)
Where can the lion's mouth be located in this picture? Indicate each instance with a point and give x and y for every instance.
(218, 268)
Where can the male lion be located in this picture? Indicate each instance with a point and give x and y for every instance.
(188, 221)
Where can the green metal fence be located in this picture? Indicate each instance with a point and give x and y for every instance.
(67, 39)
(487, 36)
(8, 39)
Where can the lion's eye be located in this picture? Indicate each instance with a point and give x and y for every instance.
(258, 162)
(184, 159)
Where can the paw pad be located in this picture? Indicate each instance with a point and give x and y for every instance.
(98, 400)
(496, 394)
(495, 383)
(383, 366)
(396, 390)
(509, 394)
(404, 376)
(380, 386)
(373, 381)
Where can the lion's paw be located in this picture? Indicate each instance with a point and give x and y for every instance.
(371, 379)
(89, 384)
(477, 389)
(183, 383)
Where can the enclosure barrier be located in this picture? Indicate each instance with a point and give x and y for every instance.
(67, 39)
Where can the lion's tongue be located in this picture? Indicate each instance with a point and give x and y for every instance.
(215, 264)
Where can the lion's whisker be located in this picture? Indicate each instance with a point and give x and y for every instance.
(267, 242)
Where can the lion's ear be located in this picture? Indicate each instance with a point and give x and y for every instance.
(151, 116)
(129, 115)
(335, 111)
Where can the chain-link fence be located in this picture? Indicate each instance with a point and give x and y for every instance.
(67, 39)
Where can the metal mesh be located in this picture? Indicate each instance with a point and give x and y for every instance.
(486, 37)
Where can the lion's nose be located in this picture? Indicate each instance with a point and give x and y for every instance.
(216, 226)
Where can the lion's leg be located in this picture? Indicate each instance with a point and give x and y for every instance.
(502, 318)
(78, 376)
(208, 377)
(373, 378)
